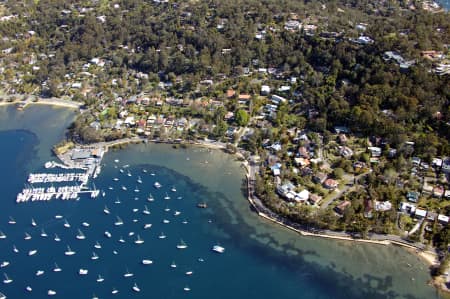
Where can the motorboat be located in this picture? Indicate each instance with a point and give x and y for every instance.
(166, 221)
(147, 262)
(39, 272)
(28, 288)
(176, 213)
(51, 292)
(58, 216)
(186, 289)
(32, 252)
(83, 271)
(189, 272)
(157, 185)
(218, 249)
(147, 225)
(107, 234)
(85, 224)
(4, 264)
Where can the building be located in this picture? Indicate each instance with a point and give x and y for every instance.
(340, 208)
(330, 184)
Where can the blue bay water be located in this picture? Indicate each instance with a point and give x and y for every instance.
(260, 259)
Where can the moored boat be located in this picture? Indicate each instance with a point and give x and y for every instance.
(7, 280)
(80, 235)
(69, 251)
(97, 245)
(32, 252)
(138, 240)
(218, 249)
(182, 245)
(147, 262)
(100, 278)
(136, 288)
(51, 292)
(94, 256)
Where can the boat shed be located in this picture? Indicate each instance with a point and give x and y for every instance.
(81, 154)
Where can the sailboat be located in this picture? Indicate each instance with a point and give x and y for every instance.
(57, 239)
(43, 234)
(69, 251)
(139, 240)
(173, 189)
(136, 189)
(97, 245)
(66, 223)
(2, 296)
(139, 180)
(136, 288)
(114, 291)
(118, 222)
(11, 220)
(4, 264)
(100, 278)
(80, 235)
(106, 210)
(173, 265)
(2, 235)
(27, 236)
(150, 197)
(128, 173)
(182, 245)
(33, 222)
(7, 279)
(146, 210)
(162, 236)
(167, 196)
(94, 256)
(57, 268)
(15, 249)
(128, 274)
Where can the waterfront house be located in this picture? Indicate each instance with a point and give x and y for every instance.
(407, 207)
(340, 208)
(383, 206)
(443, 219)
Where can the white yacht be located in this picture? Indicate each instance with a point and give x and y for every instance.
(124, 188)
(33, 222)
(97, 245)
(32, 252)
(58, 216)
(167, 196)
(57, 238)
(136, 288)
(94, 256)
(186, 289)
(11, 220)
(85, 224)
(173, 189)
(51, 292)
(100, 278)
(4, 264)
(139, 180)
(107, 234)
(39, 272)
(27, 236)
(69, 251)
(121, 240)
(147, 225)
(218, 249)
(80, 235)
(7, 280)
(146, 211)
(83, 271)
(182, 245)
(15, 249)
(114, 291)
(166, 221)
(28, 288)
(139, 240)
(118, 222)
(173, 265)
(147, 262)
(157, 185)
(43, 234)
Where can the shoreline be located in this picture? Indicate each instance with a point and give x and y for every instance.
(41, 101)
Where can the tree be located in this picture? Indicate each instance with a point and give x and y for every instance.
(338, 173)
(242, 117)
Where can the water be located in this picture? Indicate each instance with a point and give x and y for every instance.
(445, 4)
(260, 259)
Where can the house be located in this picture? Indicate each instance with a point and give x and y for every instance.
(319, 178)
(303, 152)
(292, 25)
(314, 199)
(420, 213)
(330, 184)
(374, 151)
(345, 152)
(438, 191)
(265, 89)
(431, 216)
(277, 99)
(340, 208)
(443, 219)
(276, 169)
(302, 162)
(407, 207)
(446, 165)
(447, 194)
(383, 206)
(427, 189)
(342, 138)
(412, 196)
